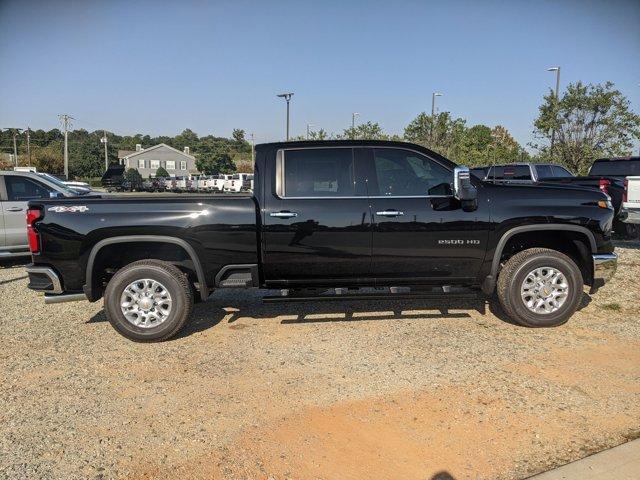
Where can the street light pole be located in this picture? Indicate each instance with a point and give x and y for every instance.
(433, 112)
(433, 102)
(353, 120)
(106, 151)
(29, 145)
(557, 91)
(287, 97)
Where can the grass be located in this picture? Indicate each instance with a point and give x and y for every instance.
(612, 306)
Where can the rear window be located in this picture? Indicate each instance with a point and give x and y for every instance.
(510, 172)
(617, 168)
(319, 172)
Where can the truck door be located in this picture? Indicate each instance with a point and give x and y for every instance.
(316, 218)
(420, 232)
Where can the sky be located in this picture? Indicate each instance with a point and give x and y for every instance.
(158, 67)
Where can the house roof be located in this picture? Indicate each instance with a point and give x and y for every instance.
(158, 146)
(124, 153)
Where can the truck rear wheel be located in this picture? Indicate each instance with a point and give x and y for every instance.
(540, 287)
(148, 300)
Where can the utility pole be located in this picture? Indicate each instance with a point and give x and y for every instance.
(287, 97)
(65, 120)
(16, 131)
(29, 145)
(353, 120)
(553, 131)
(106, 151)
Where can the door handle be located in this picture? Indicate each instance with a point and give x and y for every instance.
(14, 209)
(390, 213)
(283, 214)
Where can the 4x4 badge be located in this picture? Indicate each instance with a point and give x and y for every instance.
(71, 209)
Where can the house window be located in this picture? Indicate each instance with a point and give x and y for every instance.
(155, 164)
(183, 165)
(171, 165)
(141, 163)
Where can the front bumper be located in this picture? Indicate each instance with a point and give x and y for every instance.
(604, 267)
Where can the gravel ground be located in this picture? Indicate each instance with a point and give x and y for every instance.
(319, 390)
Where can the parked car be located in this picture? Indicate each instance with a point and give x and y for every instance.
(329, 216)
(153, 185)
(524, 172)
(216, 183)
(631, 202)
(112, 179)
(238, 182)
(16, 189)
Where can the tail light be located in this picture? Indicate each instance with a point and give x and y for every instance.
(33, 214)
(604, 185)
(626, 190)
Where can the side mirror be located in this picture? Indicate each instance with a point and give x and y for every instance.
(464, 190)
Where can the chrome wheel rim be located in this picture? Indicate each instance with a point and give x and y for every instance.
(544, 290)
(145, 303)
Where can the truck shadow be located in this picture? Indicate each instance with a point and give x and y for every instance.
(228, 307)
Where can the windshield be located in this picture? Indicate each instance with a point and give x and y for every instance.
(60, 184)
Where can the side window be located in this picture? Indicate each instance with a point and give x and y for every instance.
(171, 165)
(405, 173)
(561, 172)
(544, 171)
(319, 172)
(183, 165)
(141, 163)
(23, 189)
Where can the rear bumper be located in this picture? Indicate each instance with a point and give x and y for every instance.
(45, 279)
(604, 267)
(630, 215)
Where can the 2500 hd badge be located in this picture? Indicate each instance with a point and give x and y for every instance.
(456, 241)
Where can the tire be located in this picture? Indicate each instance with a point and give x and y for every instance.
(523, 266)
(629, 231)
(171, 285)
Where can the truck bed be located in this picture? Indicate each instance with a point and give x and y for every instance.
(220, 228)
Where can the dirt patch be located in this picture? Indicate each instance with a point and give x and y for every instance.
(323, 390)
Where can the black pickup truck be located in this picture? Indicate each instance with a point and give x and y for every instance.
(327, 217)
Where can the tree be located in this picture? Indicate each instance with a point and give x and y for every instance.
(364, 131)
(162, 173)
(214, 164)
(133, 176)
(589, 121)
(441, 133)
(48, 159)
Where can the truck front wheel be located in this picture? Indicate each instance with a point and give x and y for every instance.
(148, 300)
(540, 287)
